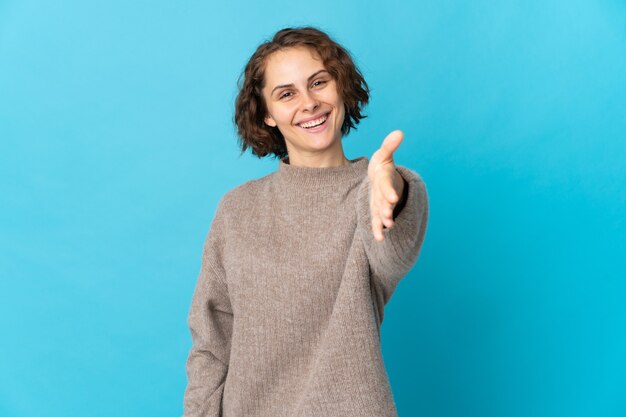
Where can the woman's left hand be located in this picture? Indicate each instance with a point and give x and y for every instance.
(386, 184)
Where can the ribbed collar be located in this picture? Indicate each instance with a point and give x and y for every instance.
(321, 177)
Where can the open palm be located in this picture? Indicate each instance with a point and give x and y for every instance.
(386, 184)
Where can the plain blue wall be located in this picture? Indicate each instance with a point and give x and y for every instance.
(116, 143)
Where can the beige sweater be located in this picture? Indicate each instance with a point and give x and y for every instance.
(285, 318)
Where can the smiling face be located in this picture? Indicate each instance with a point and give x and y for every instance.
(303, 102)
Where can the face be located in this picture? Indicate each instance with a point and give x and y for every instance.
(303, 102)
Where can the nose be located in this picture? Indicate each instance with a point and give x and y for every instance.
(310, 102)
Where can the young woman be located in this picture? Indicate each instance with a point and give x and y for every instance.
(298, 265)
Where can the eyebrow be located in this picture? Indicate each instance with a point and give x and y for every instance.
(291, 85)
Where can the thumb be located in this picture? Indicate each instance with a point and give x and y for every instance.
(391, 143)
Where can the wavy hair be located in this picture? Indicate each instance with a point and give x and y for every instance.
(250, 107)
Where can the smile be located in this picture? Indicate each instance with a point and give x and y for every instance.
(314, 123)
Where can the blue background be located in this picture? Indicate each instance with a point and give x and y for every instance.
(117, 143)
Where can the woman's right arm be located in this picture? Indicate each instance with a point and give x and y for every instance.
(210, 322)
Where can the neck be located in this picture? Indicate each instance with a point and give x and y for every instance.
(316, 162)
(302, 177)
(330, 157)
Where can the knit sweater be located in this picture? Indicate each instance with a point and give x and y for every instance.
(286, 313)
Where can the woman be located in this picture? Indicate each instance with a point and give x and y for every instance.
(298, 265)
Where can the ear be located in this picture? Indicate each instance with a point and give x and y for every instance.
(269, 120)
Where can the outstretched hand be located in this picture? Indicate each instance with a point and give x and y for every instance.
(386, 184)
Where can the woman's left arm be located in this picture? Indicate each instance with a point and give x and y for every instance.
(392, 204)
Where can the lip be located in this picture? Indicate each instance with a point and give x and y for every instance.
(313, 118)
(319, 128)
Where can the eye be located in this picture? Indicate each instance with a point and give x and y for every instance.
(284, 95)
(319, 82)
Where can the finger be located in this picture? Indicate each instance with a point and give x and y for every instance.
(390, 193)
(382, 203)
(374, 214)
(384, 211)
(386, 190)
(387, 222)
(391, 143)
(387, 214)
(377, 228)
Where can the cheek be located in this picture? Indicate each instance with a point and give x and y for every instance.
(286, 114)
(341, 113)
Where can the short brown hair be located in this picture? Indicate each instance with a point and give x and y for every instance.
(250, 107)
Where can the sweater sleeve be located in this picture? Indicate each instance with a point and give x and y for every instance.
(210, 322)
(391, 259)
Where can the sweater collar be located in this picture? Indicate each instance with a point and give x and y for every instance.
(322, 177)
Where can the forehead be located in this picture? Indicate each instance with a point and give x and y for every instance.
(291, 64)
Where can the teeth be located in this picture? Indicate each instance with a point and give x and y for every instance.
(314, 123)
